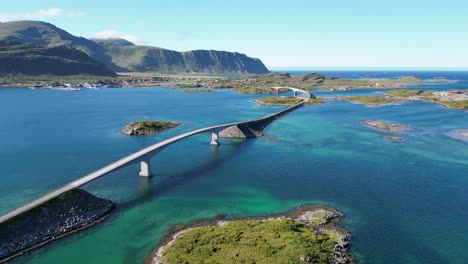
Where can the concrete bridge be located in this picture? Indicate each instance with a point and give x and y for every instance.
(244, 129)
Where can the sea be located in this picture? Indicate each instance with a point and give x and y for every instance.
(403, 202)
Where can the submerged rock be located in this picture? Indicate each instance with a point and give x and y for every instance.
(459, 134)
(72, 211)
(393, 138)
(387, 127)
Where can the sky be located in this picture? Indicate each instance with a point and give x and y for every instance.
(336, 34)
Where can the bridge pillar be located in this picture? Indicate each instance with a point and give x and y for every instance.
(145, 170)
(277, 91)
(295, 93)
(214, 139)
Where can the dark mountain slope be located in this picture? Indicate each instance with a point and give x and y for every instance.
(30, 59)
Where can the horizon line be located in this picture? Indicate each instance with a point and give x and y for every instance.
(305, 68)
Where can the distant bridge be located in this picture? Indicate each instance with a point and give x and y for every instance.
(250, 128)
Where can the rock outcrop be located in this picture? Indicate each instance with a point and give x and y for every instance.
(72, 211)
(386, 127)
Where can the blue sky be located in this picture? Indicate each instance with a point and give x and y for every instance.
(294, 33)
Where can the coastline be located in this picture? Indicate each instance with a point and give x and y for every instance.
(178, 229)
(69, 213)
(31, 248)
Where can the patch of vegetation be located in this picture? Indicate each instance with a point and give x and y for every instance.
(461, 104)
(370, 83)
(245, 84)
(252, 241)
(307, 82)
(197, 91)
(408, 93)
(315, 101)
(371, 100)
(279, 100)
(29, 59)
(147, 127)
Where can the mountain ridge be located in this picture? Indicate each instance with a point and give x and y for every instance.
(30, 59)
(123, 56)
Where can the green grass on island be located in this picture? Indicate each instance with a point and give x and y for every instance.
(197, 91)
(253, 241)
(370, 100)
(278, 100)
(408, 93)
(147, 127)
(449, 99)
(315, 101)
(153, 124)
(460, 105)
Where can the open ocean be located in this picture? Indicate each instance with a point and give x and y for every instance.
(404, 202)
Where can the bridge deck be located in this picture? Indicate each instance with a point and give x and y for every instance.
(144, 154)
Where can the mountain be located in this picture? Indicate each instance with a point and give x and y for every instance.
(45, 34)
(112, 41)
(30, 59)
(123, 56)
(146, 58)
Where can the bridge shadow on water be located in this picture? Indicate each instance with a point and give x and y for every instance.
(149, 190)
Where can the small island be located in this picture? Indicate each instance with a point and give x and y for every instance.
(386, 127)
(141, 128)
(309, 234)
(278, 100)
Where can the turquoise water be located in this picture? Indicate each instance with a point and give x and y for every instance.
(405, 202)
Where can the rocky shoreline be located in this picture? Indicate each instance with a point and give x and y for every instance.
(322, 220)
(64, 215)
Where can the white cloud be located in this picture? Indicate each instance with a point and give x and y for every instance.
(39, 14)
(112, 33)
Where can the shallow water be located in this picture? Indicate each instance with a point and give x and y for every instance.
(405, 202)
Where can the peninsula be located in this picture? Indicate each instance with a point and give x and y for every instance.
(309, 234)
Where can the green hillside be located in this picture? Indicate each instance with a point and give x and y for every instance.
(147, 58)
(29, 59)
(123, 56)
(45, 34)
